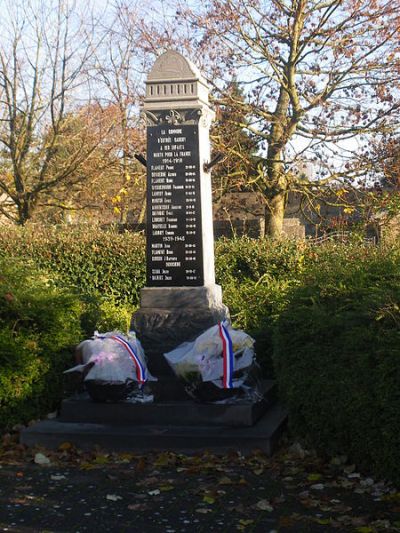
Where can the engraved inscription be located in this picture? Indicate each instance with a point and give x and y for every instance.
(174, 244)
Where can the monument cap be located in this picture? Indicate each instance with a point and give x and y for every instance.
(175, 79)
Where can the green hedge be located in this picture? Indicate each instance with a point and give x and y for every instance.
(256, 277)
(108, 270)
(39, 325)
(337, 356)
(330, 314)
(92, 261)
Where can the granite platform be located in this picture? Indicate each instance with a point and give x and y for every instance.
(180, 426)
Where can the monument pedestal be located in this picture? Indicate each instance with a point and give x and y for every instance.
(183, 426)
(169, 316)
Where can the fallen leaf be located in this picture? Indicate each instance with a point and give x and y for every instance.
(141, 465)
(368, 482)
(288, 521)
(165, 459)
(87, 466)
(101, 460)
(125, 457)
(318, 486)
(65, 446)
(154, 492)
(138, 507)
(359, 521)
(166, 488)
(41, 459)
(264, 505)
(225, 481)
(339, 460)
(203, 510)
(314, 477)
(323, 521)
(113, 497)
(208, 499)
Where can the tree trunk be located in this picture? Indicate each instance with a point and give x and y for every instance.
(25, 209)
(274, 214)
(276, 186)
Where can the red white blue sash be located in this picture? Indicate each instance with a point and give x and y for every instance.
(227, 354)
(141, 374)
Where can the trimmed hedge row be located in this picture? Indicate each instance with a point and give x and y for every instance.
(39, 325)
(109, 267)
(102, 273)
(329, 314)
(56, 287)
(337, 357)
(92, 261)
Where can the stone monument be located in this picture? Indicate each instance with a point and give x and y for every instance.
(181, 298)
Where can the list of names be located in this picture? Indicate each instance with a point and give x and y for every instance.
(174, 245)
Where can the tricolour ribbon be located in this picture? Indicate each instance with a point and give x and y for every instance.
(140, 369)
(227, 354)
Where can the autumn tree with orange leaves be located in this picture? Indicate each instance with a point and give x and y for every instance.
(45, 55)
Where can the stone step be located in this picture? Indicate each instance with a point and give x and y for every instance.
(264, 435)
(81, 409)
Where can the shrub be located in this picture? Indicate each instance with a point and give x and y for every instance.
(92, 261)
(256, 276)
(107, 270)
(337, 355)
(39, 324)
(331, 313)
(104, 314)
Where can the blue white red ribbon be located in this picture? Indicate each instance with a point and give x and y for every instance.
(141, 374)
(227, 354)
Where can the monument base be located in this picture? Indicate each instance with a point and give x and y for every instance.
(169, 316)
(264, 436)
(180, 426)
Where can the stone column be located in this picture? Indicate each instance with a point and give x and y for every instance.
(180, 299)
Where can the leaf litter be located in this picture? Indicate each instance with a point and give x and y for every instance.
(293, 490)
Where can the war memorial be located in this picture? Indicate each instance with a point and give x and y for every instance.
(180, 300)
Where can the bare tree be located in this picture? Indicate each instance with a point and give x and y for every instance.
(119, 72)
(320, 76)
(44, 76)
